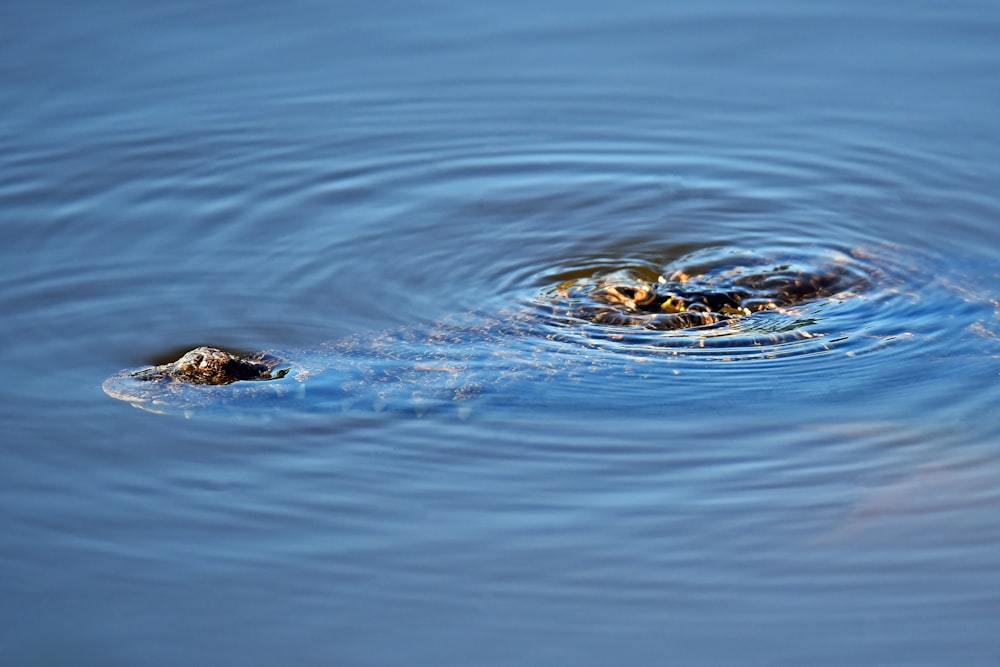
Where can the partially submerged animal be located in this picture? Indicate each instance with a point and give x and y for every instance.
(692, 298)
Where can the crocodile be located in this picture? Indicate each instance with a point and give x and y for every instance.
(703, 295)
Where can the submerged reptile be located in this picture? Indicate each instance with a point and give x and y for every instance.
(700, 296)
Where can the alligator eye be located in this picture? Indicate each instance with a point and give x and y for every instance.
(673, 304)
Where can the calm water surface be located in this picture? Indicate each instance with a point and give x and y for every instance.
(275, 177)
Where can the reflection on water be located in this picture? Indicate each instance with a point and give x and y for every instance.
(415, 186)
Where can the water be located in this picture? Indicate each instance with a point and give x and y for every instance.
(275, 177)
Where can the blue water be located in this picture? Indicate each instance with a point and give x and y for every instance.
(276, 176)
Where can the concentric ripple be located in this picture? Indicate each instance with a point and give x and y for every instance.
(776, 302)
(456, 264)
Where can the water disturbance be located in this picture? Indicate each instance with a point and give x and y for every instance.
(644, 333)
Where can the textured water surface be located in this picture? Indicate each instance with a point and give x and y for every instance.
(398, 191)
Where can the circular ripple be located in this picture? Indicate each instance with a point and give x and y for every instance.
(796, 301)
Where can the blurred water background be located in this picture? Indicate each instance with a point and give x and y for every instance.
(275, 175)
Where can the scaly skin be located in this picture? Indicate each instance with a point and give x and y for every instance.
(692, 297)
